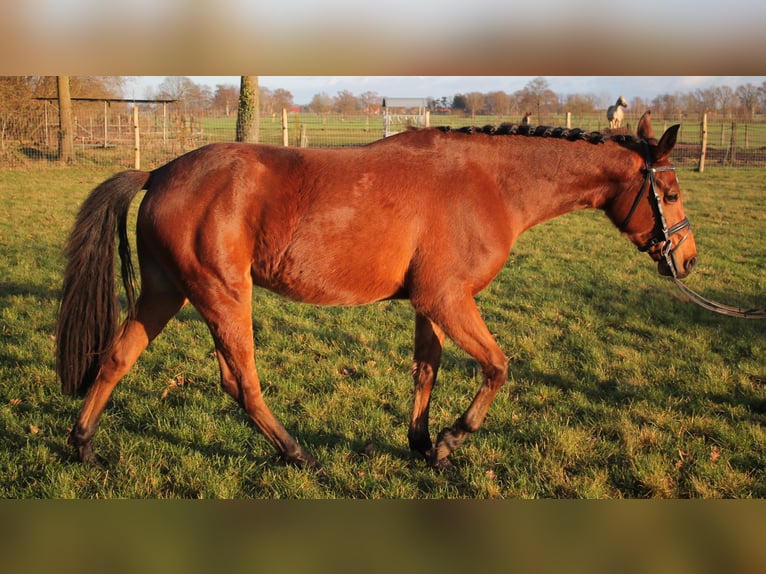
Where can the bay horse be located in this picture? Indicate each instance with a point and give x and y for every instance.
(428, 215)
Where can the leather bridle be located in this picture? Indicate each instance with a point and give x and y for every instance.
(663, 236)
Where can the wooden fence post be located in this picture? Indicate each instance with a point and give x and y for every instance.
(285, 141)
(701, 167)
(137, 140)
(733, 154)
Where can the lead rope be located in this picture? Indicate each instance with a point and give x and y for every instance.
(738, 312)
(667, 253)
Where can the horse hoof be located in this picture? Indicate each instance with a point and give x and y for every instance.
(440, 465)
(87, 458)
(304, 460)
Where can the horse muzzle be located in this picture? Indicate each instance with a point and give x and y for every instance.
(664, 267)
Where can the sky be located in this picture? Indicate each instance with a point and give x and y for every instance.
(607, 88)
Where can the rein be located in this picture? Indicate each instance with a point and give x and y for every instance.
(667, 249)
(738, 312)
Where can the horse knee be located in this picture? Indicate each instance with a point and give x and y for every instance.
(496, 373)
(115, 365)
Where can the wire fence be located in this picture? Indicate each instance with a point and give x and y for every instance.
(106, 136)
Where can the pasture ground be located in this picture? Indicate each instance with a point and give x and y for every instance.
(619, 387)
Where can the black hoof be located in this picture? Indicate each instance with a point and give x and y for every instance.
(84, 451)
(442, 465)
(421, 446)
(303, 459)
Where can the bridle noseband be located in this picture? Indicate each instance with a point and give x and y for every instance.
(662, 233)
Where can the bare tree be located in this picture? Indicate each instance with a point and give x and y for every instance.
(724, 97)
(580, 104)
(474, 102)
(498, 103)
(538, 96)
(748, 97)
(247, 110)
(346, 102)
(371, 101)
(706, 100)
(190, 96)
(283, 99)
(225, 97)
(320, 103)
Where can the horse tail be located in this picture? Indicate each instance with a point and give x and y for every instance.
(89, 312)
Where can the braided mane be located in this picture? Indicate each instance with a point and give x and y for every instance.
(574, 134)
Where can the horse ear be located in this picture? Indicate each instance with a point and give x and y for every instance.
(645, 130)
(667, 142)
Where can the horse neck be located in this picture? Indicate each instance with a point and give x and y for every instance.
(560, 177)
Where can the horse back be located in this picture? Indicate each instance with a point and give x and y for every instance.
(339, 227)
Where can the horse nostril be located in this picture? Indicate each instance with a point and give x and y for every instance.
(690, 264)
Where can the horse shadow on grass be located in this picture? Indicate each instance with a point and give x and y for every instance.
(672, 313)
(39, 292)
(289, 413)
(648, 314)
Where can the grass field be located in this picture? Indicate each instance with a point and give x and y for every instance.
(619, 387)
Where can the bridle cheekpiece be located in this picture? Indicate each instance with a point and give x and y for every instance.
(662, 235)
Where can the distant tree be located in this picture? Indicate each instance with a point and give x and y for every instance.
(689, 103)
(79, 86)
(442, 104)
(247, 110)
(346, 102)
(190, 96)
(474, 102)
(459, 103)
(705, 100)
(498, 103)
(225, 98)
(537, 97)
(266, 100)
(320, 103)
(724, 98)
(283, 99)
(748, 96)
(16, 105)
(371, 101)
(580, 104)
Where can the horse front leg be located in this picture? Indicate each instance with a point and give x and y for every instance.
(429, 341)
(462, 323)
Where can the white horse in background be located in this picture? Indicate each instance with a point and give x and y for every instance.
(615, 113)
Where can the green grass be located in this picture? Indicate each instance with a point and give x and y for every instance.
(619, 387)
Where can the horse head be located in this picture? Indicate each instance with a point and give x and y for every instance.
(655, 220)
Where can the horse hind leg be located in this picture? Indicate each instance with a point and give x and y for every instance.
(230, 323)
(463, 324)
(153, 311)
(429, 340)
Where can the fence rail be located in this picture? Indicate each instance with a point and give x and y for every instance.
(105, 137)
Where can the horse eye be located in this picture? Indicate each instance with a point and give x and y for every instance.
(671, 197)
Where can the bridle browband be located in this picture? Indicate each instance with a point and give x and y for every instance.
(664, 235)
